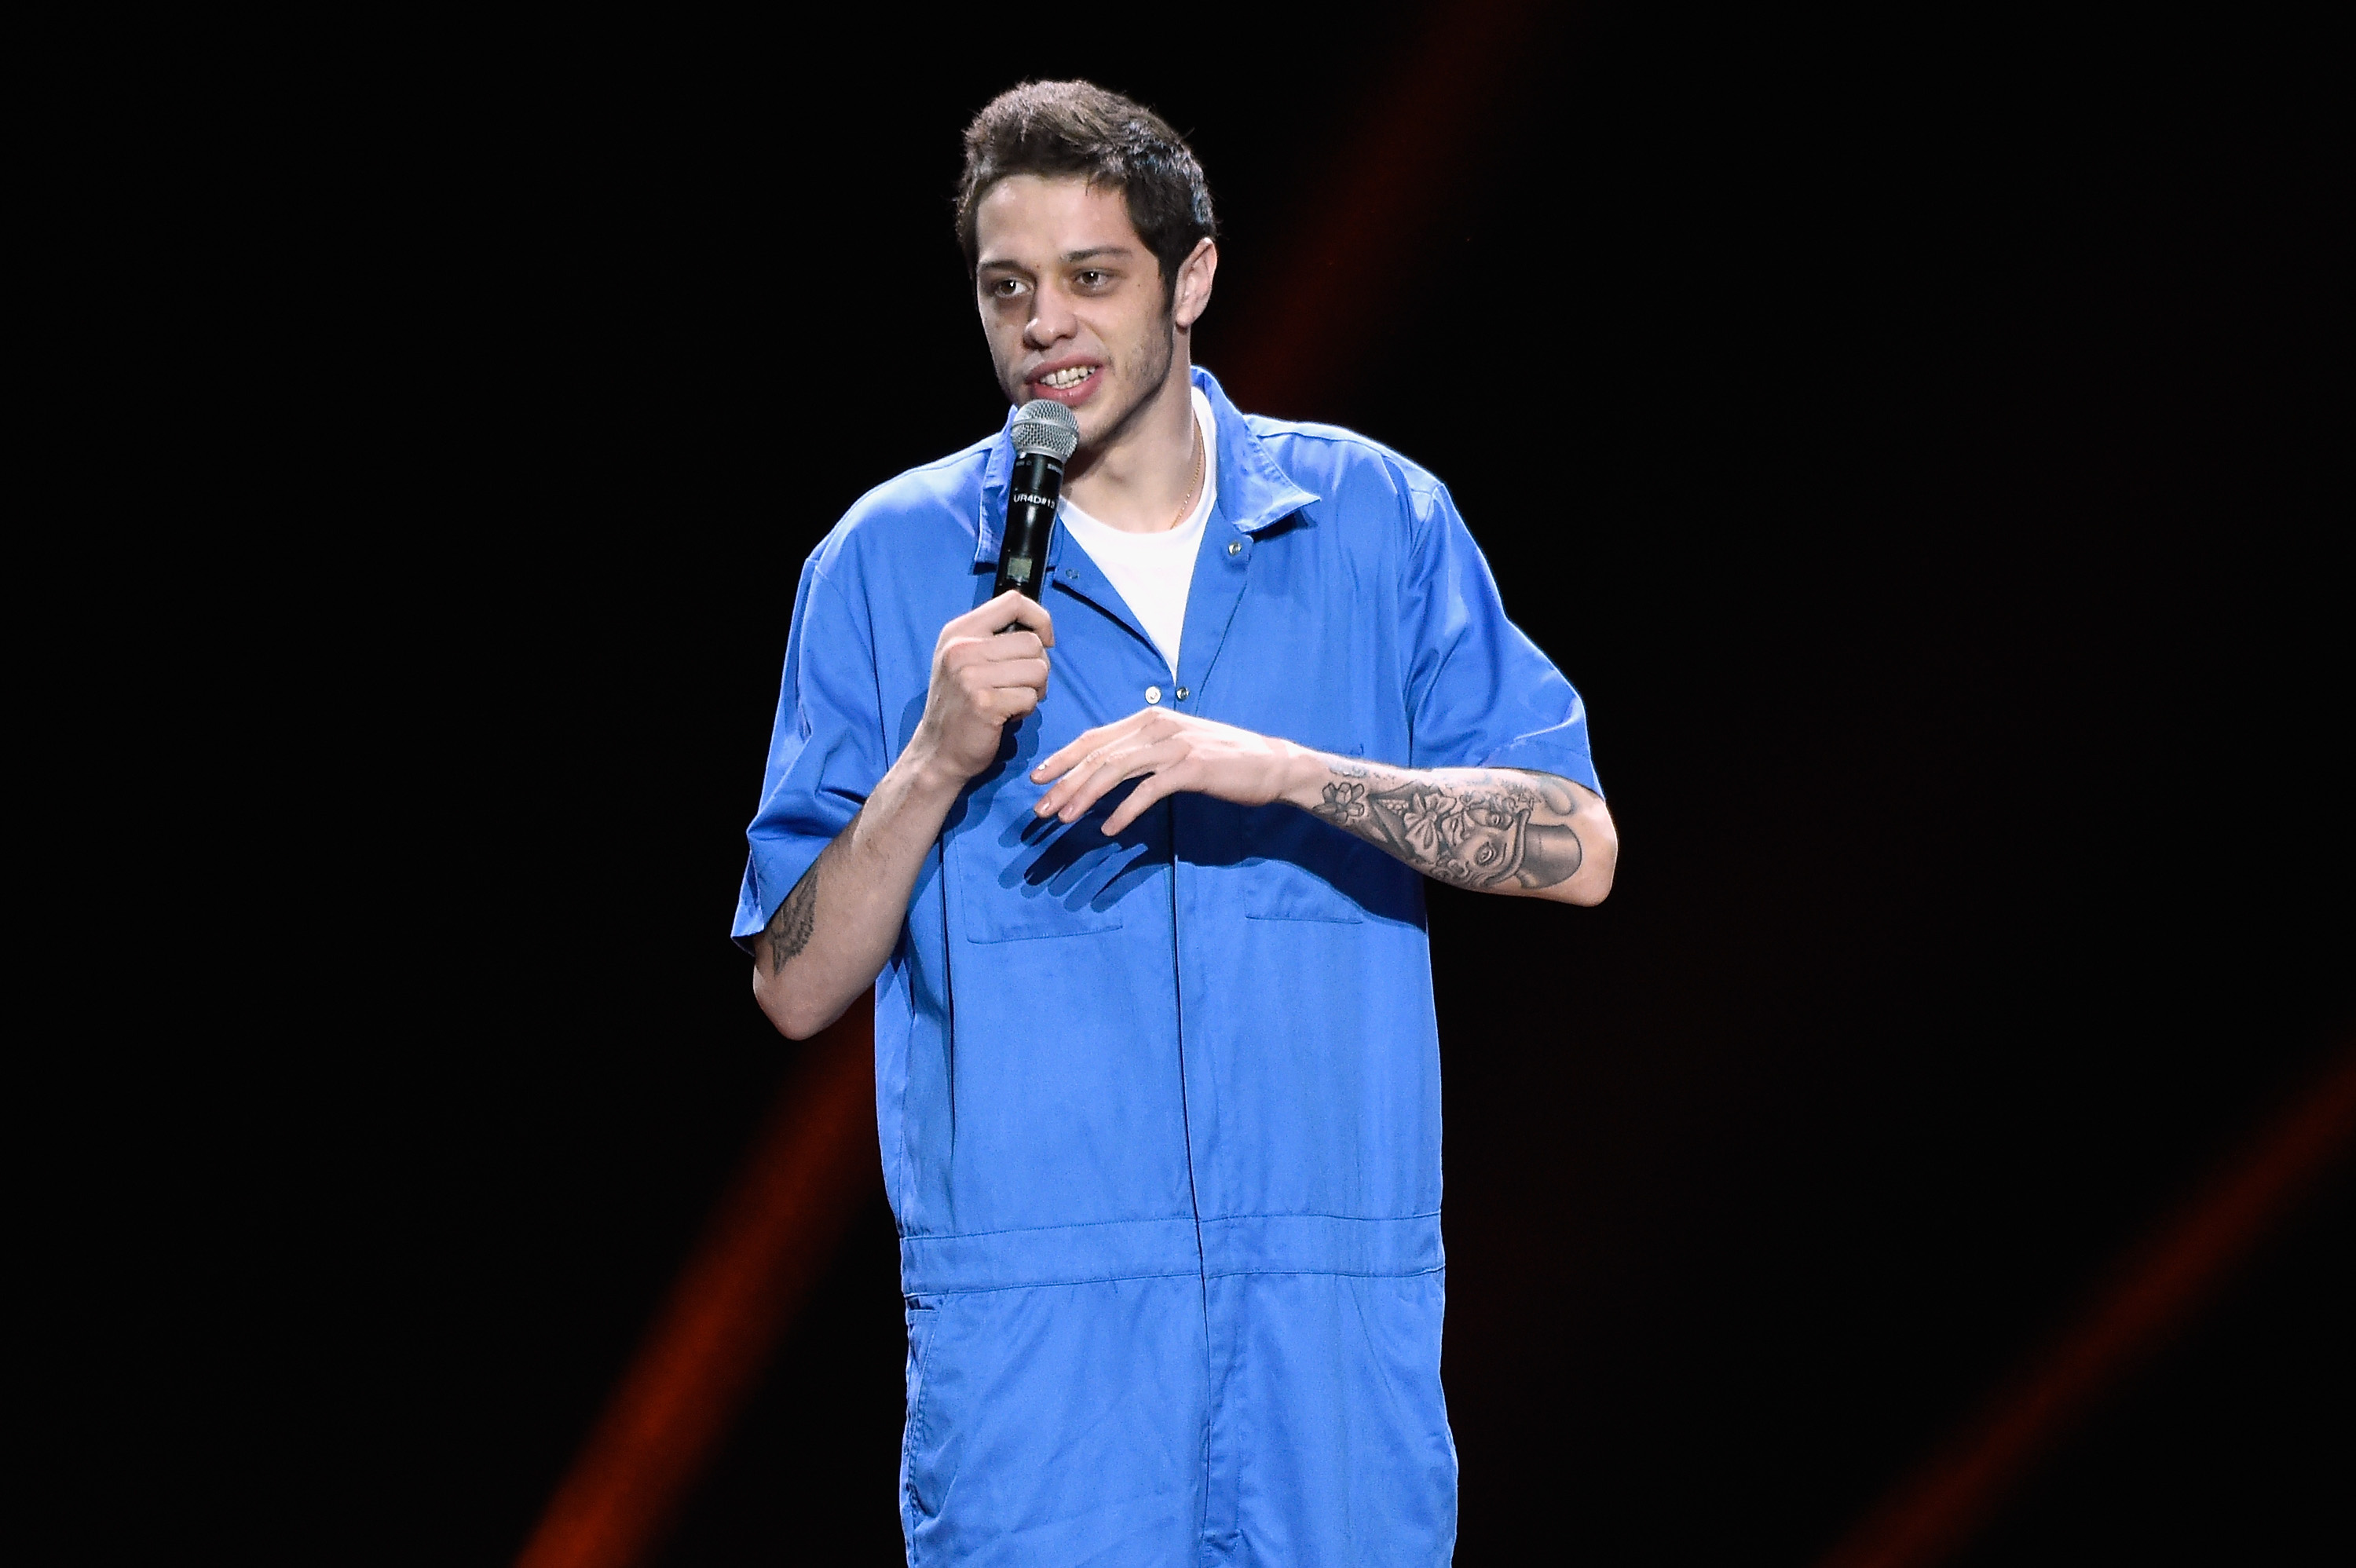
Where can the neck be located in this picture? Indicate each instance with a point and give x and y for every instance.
(1138, 480)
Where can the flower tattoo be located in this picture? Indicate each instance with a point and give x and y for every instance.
(1473, 829)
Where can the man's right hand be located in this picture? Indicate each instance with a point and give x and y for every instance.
(983, 678)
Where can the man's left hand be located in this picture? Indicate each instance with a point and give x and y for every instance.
(1179, 753)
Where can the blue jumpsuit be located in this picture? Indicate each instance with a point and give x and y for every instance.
(1160, 1113)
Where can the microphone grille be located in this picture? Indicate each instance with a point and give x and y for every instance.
(1044, 425)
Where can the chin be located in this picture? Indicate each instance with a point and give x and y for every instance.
(1107, 411)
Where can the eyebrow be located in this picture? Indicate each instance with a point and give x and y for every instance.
(999, 264)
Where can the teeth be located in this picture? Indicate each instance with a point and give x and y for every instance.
(1071, 378)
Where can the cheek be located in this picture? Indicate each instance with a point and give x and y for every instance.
(1005, 345)
(1130, 331)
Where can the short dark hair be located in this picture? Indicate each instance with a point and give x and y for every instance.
(1063, 128)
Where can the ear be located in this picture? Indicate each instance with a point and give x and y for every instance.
(1194, 292)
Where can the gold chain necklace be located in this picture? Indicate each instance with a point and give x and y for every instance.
(1196, 482)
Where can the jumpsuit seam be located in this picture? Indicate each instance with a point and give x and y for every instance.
(949, 960)
(1159, 1218)
(914, 1434)
(1194, 1194)
(1055, 1283)
(1181, 1274)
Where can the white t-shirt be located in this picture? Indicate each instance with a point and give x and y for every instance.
(1152, 573)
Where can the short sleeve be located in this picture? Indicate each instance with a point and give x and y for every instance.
(1480, 694)
(826, 753)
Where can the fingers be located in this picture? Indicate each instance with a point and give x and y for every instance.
(1009, 609)
(1094, 740)
(1008, 703)
(1164, 782)
(1019, 645)
(978, 677)
(1000, 704)
(1010, 658)
(1101, 771)
(1061, 763)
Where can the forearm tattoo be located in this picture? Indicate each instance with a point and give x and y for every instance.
(788, 930)
(1472, 827)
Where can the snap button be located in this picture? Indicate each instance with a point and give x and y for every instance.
(1182, 694)
(1235, 547)
(1153, 694)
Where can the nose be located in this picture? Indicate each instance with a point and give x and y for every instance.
(1052, 320)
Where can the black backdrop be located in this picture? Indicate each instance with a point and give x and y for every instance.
(1911, 437)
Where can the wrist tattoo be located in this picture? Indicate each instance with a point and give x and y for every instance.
(1472, 827)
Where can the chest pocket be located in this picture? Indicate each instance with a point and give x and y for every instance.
(1020, 879)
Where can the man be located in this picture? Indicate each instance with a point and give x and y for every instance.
(1135, 875)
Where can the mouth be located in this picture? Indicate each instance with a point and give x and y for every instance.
(1068, 384)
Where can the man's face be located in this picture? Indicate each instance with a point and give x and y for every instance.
(1072, 301)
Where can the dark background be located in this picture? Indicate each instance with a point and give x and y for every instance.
(1919, 439)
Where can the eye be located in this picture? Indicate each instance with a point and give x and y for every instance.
(1093, 278)
(1005, 288)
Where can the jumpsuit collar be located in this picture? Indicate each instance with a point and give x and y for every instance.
(1254, 492)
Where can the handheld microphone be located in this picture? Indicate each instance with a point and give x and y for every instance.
(1046, 433)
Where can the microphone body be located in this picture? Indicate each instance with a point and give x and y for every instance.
(1030, 496)
(1046, 433)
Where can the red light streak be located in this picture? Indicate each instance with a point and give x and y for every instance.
(767, 1242)
(1935, 1510)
